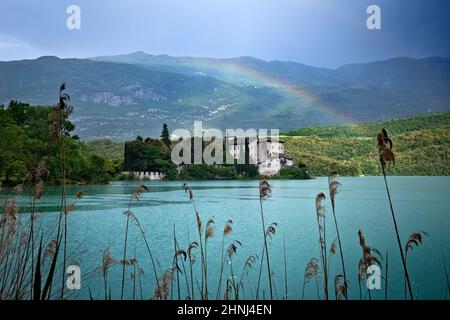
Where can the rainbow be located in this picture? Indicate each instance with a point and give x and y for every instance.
(233, 67)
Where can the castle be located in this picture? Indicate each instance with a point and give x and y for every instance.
(268, 153)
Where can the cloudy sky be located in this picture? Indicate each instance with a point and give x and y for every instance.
(325, 33)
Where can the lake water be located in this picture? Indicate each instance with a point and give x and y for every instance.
(420, 203)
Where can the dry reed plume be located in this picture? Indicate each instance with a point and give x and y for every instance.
(320, 217)
(415, 239)
(164, 286)
(312, 271)
(227, 230)
(370, 256)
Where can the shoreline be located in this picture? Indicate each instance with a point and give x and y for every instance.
(233, 179)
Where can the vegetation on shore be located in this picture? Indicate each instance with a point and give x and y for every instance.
(107, 149)
(150, 155)
(422, 147)
(27, 138)
(153, 155)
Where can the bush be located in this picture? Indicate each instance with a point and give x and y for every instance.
(247, 170)
(294, 173)
(206, 172)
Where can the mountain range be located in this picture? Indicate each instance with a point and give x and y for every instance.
(122, 96)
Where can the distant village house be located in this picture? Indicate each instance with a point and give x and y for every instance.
(268, 153)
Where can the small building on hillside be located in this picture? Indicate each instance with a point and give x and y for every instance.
(286, 160)
(268, 153)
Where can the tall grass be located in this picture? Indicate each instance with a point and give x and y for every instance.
(447, 278)
(164, 285)
(190, 194)
(231, 251)
(226, 231)
(209, 233)
(333, 186)
(312, 271)
(265, 191)
(191, 256)
(320, 217)
(415, 239)
(369, 257)
(147, 245)
(248, 265)
(130, 216)
(386, 283)
(285, 271)
(63, 106)
(387, 155)
(108, 262)
(177, 254)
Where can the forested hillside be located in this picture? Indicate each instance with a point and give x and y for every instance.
(421, 146)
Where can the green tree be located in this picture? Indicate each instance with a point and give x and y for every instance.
(165, 135)
(27, 137)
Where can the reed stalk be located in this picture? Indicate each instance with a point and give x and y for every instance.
(260, 272)
(129, 214)
(415, 239)
(209, 233)
(190, 194)
(63, 110)
(226, 231)
(175, 262)
(320, 217)
(386, 155)
(184, 268)
(386, 277)
(231, 251)
(265, 191)
(333, 186)
(124, 257)
(247, 265)
(191, 256)
(312, 271)
(285, 271)
(445, 273)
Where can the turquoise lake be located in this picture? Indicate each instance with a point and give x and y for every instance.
(420, 203)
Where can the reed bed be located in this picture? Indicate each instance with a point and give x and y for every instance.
(21, 262)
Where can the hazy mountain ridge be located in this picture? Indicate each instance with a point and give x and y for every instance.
(122, 96)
